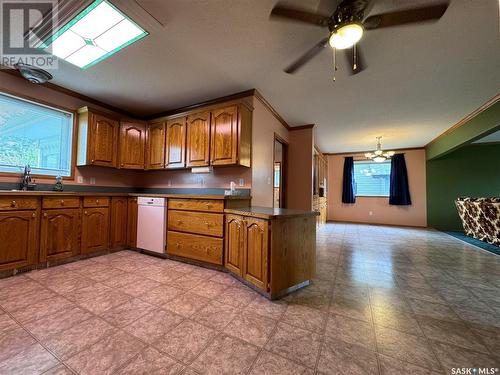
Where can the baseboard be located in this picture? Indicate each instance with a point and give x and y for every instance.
(376, 224)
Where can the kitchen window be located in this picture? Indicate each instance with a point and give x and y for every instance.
(34, 134)
(372, 179)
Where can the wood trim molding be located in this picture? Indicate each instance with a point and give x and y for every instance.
(301, 127)
(363, 152)
(201, 105)
(467, 118)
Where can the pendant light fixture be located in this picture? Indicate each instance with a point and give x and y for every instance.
(379, 156)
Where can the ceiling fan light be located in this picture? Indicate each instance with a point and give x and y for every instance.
(346, 36)
(379, 159)
(378, 152)
(391, 153)
(368, 155)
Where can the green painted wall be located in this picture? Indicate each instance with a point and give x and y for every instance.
(469, 171)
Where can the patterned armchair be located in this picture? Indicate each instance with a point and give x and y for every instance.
(480, 218)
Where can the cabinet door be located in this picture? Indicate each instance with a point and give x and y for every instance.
(198, 140)
(233, 253)
(176, 143)
(132, 223)
(60, 234)
(104, 141)
(224, 136)
(95, 230)
(18, 239)
(255, 257)
(132, 145)
(156, 146)
(118, 230)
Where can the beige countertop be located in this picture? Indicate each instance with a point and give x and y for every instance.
(269, 212)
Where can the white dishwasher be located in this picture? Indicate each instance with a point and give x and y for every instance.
(152, 224)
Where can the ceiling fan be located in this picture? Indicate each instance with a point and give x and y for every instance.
(348, 23)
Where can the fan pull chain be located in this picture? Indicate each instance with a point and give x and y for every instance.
(354, 58)
(334, 63)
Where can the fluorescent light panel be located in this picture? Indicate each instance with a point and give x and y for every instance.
(95, 34)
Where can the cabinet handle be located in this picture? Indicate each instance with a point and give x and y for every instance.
(62, 202)
(34, 215)
(45, 214)
(97, 201)
(86, 213)
(13, 204)
(92, 161)
(122, 164)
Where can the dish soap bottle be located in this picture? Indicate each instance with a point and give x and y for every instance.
(59, 185)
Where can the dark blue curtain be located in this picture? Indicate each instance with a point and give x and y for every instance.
(399, 192)
(348, 181)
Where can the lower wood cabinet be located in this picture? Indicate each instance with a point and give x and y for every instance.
(60, 234)
(202, 248)
(18, 238)
(118, 229)
(247, 249)
(95, 229)
(132, 222)
(274, 250)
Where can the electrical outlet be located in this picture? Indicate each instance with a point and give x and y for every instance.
(269, 180)
(370, 213)
(241, 182)
(80, 179)
(169, 183)
(92, 180)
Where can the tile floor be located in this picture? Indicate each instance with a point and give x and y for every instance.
(385, 301)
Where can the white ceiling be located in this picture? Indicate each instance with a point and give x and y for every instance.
(420, 80)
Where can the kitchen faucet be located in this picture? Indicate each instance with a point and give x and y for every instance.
(26, 182)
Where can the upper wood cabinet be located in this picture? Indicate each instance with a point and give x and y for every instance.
(230, 140)
(97, 139)
(198, 140)
(155, 150)
(176, 143)
(132, 145)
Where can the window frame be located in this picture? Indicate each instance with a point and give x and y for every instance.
(74, 140)
(388, 161)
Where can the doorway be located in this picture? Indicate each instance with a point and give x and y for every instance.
(279, 172)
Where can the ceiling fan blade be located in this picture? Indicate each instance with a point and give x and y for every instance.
(404, 17)
(306, 57)
(355, 60)
(300, 15)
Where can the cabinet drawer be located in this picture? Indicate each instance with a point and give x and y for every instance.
(209, 205)
(96, 202)
(196, 222)
(192, 246)
(61, 202)
(18, 203)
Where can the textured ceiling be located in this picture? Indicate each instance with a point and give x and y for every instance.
(420, 80)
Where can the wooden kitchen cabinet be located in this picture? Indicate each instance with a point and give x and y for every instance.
(97, 139)
(155, 150)
(95, 229)
(18, 239)
(132, 145)
(198, 140)
(132, 222)
(230, 138)
(255, 252)
(235, 230)
(175, 156)
(60, 233)
(271, 249)
(118, 229)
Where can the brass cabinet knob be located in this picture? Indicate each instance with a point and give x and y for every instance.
(13, 204)
(97, 201)
(62, 202)
(45, 214)
(92, 161)
(34, 215)
(86, 213)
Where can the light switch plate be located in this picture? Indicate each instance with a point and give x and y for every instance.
(92, 180)
(241, 182)
(80, 180)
